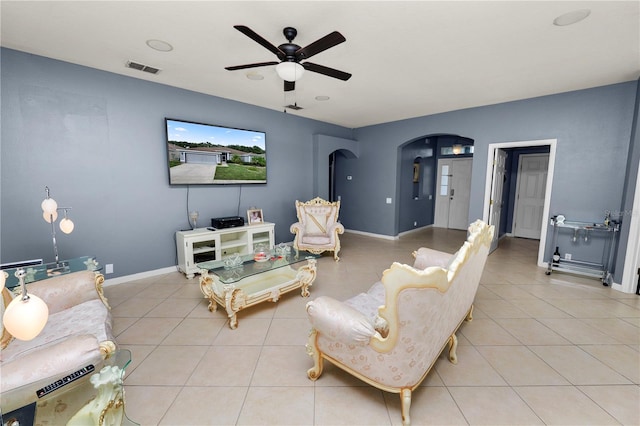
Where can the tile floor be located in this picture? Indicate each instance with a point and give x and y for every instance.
(557, 349)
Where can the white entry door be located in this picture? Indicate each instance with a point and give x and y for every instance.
(532, 182)
(497, 187)
(453, 193)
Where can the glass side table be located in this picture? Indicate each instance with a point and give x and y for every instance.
(91, 395)
(53, 269)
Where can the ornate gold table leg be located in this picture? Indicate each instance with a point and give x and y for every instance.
(206, 287)
(234, 300)
(306, 276)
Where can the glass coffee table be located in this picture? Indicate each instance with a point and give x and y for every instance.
(239, 282)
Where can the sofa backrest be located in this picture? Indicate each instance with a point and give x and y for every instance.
(65, 291)
(424, 307)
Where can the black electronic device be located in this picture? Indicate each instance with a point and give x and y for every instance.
(65, 380)
(227, 222)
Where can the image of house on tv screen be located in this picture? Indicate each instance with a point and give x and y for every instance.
(205, 154)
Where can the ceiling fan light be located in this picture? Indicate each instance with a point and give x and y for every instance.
(290, 71)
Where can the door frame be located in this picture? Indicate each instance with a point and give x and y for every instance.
(547, 193)
(632, 257)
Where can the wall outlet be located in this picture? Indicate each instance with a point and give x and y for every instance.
(415, 223)
(388, 200)
(567, 256)
(108, 268)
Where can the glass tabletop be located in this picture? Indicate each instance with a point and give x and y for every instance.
(53, 269)
(54, 400)
(236, 267)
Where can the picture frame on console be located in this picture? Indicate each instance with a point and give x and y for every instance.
(254, 216)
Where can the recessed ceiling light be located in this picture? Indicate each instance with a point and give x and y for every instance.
(254, 76)
(322, 98)
(571, 17)
(160, 45)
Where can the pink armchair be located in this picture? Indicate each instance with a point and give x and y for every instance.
(391, 336)
(317, 228)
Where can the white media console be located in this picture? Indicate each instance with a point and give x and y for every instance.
(202, 244)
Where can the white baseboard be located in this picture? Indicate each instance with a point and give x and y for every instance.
(387, 237)
(369, 234)
(139, 276)
(411, 231)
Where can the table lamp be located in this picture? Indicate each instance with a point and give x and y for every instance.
(50, 214)
(26, 315)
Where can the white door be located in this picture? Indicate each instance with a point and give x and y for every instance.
(532, 181)
(453, 193)
(497, 186)
(460, 194)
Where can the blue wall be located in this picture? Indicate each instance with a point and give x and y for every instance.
(592, 127)
(97, 140)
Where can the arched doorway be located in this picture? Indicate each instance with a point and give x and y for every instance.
(419, 181)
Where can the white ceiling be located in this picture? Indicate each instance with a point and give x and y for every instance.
(408, 59)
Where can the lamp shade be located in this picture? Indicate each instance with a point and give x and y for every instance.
(50, 216)
(25, 319)
(66, 225)
(49, 205)
(290, 71)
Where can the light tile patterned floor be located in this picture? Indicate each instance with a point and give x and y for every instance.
(541, 349)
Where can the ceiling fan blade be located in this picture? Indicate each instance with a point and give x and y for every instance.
(320, 45)
(260, 40)
(321, 69)
(289, 86)
(259, 64)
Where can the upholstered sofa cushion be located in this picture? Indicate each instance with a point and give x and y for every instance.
(90, 318)
(368, 304)
(342, 322)
(58, 357)
(316, 239)
(426, 257)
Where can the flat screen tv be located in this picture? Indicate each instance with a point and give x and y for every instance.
(206, 154)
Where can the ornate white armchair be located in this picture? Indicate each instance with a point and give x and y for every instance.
(391, 336)
(317, 227)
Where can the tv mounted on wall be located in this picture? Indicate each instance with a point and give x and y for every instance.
(206, 154)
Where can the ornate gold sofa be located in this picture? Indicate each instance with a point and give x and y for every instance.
(77, 334)
(391, 336)
(317, 228)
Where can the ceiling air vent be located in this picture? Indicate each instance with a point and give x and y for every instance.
(294, 107)
(141, 67)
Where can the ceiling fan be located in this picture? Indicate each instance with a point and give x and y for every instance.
(289, 68)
